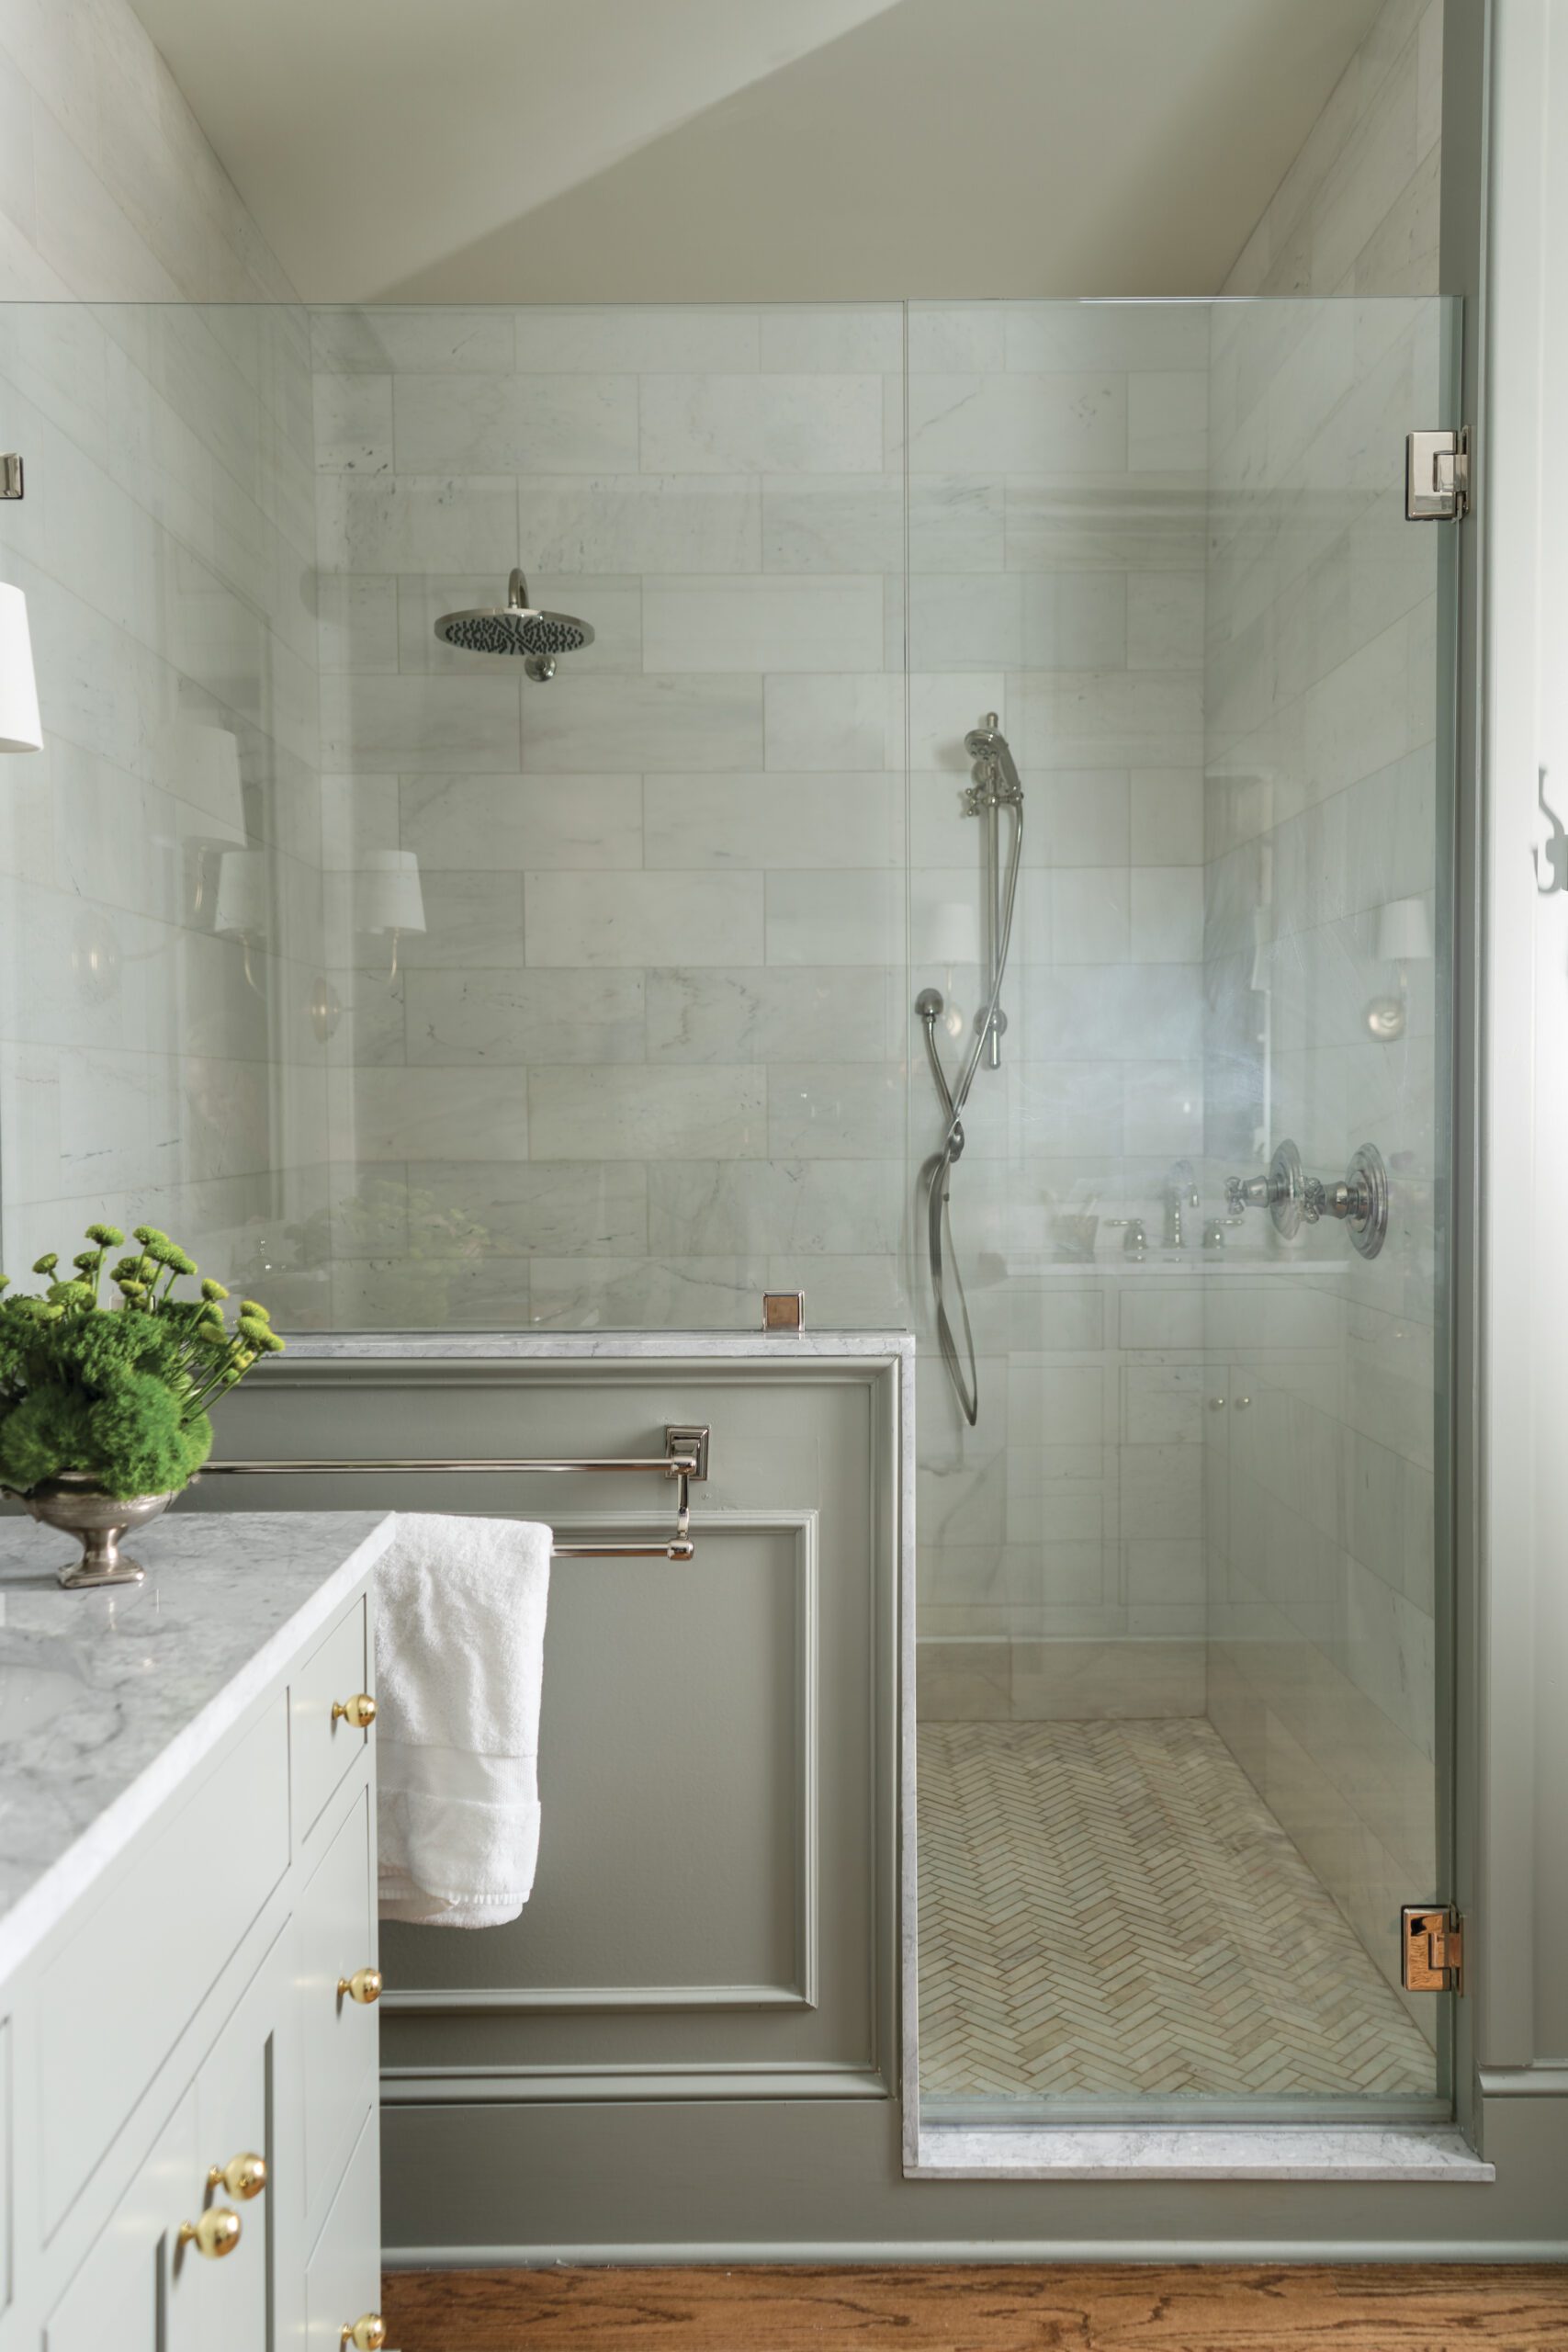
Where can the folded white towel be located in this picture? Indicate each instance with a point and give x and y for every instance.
(459, 1662)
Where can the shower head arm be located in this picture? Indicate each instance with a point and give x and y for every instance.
(517, 592)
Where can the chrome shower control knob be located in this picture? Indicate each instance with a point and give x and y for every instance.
(1282, 1192)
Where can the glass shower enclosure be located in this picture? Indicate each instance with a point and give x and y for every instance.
(438, 994)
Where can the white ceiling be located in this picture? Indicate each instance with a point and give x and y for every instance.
(725, 150)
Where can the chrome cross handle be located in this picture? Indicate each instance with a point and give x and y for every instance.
(1358, 1200)
(1280, 1192)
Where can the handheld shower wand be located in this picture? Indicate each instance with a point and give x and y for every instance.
(996, 787)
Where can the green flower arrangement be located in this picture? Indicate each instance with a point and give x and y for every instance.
(118, 1391)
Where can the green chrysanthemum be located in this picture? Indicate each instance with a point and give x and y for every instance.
(107, 1237)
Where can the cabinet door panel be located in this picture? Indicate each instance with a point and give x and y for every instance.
(322, 1749)
(139, 2290)
(343, 2280)
(337, 1936)
(234, 2116)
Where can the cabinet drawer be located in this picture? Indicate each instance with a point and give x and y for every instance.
(339, 2036)
(343, 2281)
(114, 2002)
(323, 1749)
(136, 2289)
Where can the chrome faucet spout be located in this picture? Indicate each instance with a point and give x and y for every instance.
(1180, 1193)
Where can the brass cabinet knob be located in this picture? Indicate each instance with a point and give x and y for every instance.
(361, 1711)
(363, 1986)
(366, 2334)
(243, 2177)
(215, 2234)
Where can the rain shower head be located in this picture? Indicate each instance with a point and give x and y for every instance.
(517, 627)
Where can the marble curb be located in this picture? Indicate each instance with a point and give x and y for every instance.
(1217, 2152)
(560, 1346)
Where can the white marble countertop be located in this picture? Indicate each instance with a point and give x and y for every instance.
(656, 1346)
(107, 1700)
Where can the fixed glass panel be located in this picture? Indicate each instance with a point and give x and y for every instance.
(1178, 694)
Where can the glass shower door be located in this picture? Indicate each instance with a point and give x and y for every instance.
(1182, 1632)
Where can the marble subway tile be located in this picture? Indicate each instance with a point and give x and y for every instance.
(609, 725)
(1166, 817)
(1017, 424)
(400, 1114)
(537, 822)
(1167, 422)
(761, 424)
(354, 423)
(434, 724)
(470, 423)
(626, 339)
(836, 724)
(813, 1207)
(835, 1111)
(616, 1111)
(1051, 338)
(1089, 1682)
(849, 1013)
(546, 1209)
(374, 523)
(751, 822)
(641, 918)
(642, 523)
(834, 339)
(707, 1294)
(382, 339)
(833, 917)
(520, 1018)
(771, 623)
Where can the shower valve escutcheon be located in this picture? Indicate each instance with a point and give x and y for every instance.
(1357, 1200)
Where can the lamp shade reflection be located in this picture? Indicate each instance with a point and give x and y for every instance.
(387, 896)
(20, 727)
(242, 895)
(1405, 931)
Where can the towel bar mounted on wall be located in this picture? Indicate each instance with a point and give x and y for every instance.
(685, 1457)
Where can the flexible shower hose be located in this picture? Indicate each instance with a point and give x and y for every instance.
(937, 1173)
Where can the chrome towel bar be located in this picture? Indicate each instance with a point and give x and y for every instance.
(685, 1457)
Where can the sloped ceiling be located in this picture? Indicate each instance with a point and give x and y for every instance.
(782, 150)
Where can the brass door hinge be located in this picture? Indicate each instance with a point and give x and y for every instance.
(1431, 1948)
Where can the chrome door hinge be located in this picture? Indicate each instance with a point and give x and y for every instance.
(1436, 476)
(1431, 1948)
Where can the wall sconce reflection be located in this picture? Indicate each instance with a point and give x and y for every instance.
(202, 762)
(954, 940)
(388, 898)
(244, 901)
(1405, 937)
(21, 730)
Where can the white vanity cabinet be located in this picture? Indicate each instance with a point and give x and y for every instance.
(201, 1991)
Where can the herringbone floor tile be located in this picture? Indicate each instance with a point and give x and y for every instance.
(1110, 1909)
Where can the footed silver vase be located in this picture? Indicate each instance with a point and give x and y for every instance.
(75, 1504)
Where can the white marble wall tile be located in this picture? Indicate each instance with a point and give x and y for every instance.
(607, 725)
(832, 723)
(408, 522)
(579, 1292)
(1091, 914)
(1109, 719)
(539, 822)
(771, 623)
(1165, 621)
(622, 339)
(834, 1111)
(757, 821)
(546, 1208)
(440, 725)
(618, 1111)
(354, 423)
(815, 1207)
(520, 1018)
(832, 917)
(1029, 424)
(1048, 338)
(1166, 914)
(473, 923)
(1166, 817)
(429, 1113)
(384, 340)
(1069, 1107)
(538, 424)
(814, 522)
(849, 1012)
(1167, 422)
(843, 338)
(1163, 1114)
(358, 622)
(761, 424)
(632, 522)
(641, 918)
(1106, 521)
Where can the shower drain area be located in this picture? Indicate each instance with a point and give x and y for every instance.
(1109, 1910)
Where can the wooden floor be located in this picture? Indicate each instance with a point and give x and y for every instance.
(1001, 2308)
